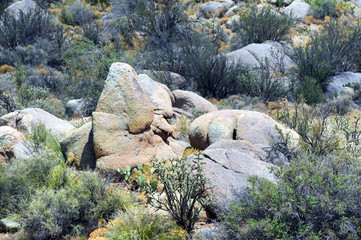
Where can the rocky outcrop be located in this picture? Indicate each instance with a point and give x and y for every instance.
(78, 147)
(256, 54)
(297, 9)
(189, 101)
(130, 128)
(340, 83)
(255, 127)
(124, 94)
(25, 120)
(228, 165)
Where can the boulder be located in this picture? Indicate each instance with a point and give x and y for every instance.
(24, 5)
(357, 3)
(78, 147)
(189, 101)
(124, 94)
(339, 83)
(161, 127)
(255, 54)
(213, 7)
(158, 95)
(8, 138)
(255, 127)
(115, 147)
(297, 9)
(25, 120)
(172, 80)
(78, 108)
(228, 165)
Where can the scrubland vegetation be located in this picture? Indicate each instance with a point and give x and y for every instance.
(63, 50)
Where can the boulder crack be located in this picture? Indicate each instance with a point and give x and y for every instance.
(215, 161)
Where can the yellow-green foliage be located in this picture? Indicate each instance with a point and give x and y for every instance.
(7, 69)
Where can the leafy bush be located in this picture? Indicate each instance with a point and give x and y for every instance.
(257, 26)
(314, 198)
(183, 186)
(329, 52)
(82, 14)
(72, 210)
(140, 223)
(321, 9)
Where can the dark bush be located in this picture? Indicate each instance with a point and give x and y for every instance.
(314, 198)
(310, 90)
(259, 25)
(82, 14)
(329, 52)
(321, 9)
(4, 4)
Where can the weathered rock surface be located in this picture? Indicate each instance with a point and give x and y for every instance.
(24, 5)
(337, 84)
(228, 165)
(255, 127)
(172, 80)
(78, 147)
(297, 9)
(159, 95)
(255, 54)
(124, 94)
(189, 101)
(8, 138)
(25, 120)
(215, 7)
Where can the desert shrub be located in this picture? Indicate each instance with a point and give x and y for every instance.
(7, 102)
(91, 32)
(4, 4)
(206, 69)
(140, 223)
(264, 84)
(314, 198)
(66, 17)
(257, 26)
(71, 210)
(184, 188)
(86, 68)
(329, 52)
(82, 14)
(321, 9)
(20, 178)
(25, 28)
(311, 90)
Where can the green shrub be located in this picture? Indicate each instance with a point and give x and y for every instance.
(81, 13)
(184, 189)
(140, 223)
(4, 4)
(322, 8)
(257, 26)
(329, 52)
(74, 209)
(67, 17)
(311, 90)
(314, 198)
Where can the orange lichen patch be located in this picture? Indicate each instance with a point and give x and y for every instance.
(115, 222)
(98, 234)
(7, 69)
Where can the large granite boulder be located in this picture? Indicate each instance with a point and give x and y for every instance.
(78, 147)
(297, 9)
(159, 95)
(189, 101)
(8, 138)
(255, 127)
(340, 83)
(79, 108)
(25, 120)
(228, 165)
(124, 94)
(255, 54)
(128, 129)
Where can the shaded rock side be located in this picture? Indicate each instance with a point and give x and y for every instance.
(189, 101)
